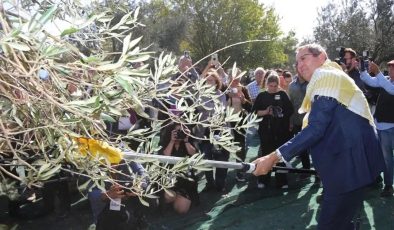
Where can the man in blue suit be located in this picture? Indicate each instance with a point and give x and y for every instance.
(340, 133)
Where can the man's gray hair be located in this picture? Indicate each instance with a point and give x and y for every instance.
(314, 49)
(259, 69)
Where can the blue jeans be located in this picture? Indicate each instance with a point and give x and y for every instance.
(250, 134)
(96, 204)
(386, 138)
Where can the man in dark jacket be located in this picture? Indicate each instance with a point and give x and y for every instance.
(340, 133)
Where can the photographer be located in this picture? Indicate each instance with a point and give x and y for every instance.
(384, 118)
(238, 98)
(385, 82)
(186, 70)
(275, 108)
(210, 151)
(350, 58)
(175, 141)
(117, 207)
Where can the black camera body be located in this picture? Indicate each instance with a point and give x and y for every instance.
(277, 111)
(180, 135)
(364, 61)
(341, 54)
(186, 53)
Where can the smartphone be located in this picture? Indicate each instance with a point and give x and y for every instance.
(214, 58)
(186, 53)
(364, 61)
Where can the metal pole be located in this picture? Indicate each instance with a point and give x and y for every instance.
(247, 167)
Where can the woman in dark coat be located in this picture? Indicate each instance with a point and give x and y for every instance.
(274, 106)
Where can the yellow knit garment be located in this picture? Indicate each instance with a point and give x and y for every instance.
(329, 80)
(99, 148)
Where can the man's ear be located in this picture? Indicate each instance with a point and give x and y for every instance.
(322, 57)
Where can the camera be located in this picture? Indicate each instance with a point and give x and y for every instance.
(364, 61)
(126, 185)
(186, 53)
(341, 54)
(277, 111)
(214, 57)
(180, 135)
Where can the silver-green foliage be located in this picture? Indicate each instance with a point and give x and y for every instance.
(82, 92)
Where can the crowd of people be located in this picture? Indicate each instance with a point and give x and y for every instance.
(282, 100)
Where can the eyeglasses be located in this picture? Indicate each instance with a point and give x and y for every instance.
(302, 57)
(306, 55)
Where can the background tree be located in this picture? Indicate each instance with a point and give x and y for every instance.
(217, 24)
(361, 25)
(383, 24)
(344, 25)
(205, 26)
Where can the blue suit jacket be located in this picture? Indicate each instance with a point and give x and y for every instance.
(344, 146)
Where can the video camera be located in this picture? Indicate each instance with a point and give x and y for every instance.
(364, 61)
(341, 54)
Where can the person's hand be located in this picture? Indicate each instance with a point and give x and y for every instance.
(184, 64)
(264, 112)
(187, 132)
(71, 88)
(241, 96)
(115, 192)
(354, 63)
(130, 194)
(270, 110)
(373, 68)
(264, 164)
(211, 63)
(174, 135)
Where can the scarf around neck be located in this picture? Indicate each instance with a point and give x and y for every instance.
(329, 80)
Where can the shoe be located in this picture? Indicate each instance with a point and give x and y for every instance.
(285, 186)
(221, 190)
(260, 185)
(319, 198)
(208, 188)
(387, 191)
(240, 177)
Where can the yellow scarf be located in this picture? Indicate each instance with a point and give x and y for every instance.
(329, 80)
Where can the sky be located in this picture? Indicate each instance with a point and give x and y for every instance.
(297, 15)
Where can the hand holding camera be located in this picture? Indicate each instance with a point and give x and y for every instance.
(373, 68)
(275, 111)
(180, 135)
(267, 111)
(215, 60)
(364, 61)
(115, 192)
